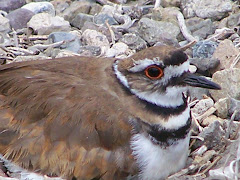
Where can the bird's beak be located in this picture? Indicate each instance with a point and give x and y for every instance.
(198, 81)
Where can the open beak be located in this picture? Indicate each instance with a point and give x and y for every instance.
(198, 81)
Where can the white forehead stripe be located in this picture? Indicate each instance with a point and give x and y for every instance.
(173, 71)
(119, 75)
(143, 64)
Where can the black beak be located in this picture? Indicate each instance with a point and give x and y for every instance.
(198, 81)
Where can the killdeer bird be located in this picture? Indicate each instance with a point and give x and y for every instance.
(88, 117)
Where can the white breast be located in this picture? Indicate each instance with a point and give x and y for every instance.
(155, 162)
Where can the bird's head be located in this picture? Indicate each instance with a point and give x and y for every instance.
(159, 75)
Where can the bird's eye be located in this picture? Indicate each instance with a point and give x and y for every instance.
(153, 72)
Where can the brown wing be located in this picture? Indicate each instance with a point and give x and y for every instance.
(63, 117)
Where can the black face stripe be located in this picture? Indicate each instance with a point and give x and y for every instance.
(176, 58)
(165, 111)
(165, 137)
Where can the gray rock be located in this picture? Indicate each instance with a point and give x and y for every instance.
(90, 51)
(40, 7)
(200, 28)
(212, 136)
(226, 52)
(4, 24)
(229, 80)
(80, 19)
(9, 5)
(102, 18)
(45, 23)
(75, 8)
(154, 31)
(134, 41)
(204, 49)
(94, 38)
(198, 93)
(234, 106)
(222, 106)
(73, 42)
(233, 20)
(202, 106)
(19, 18)
(215, 10)
(205, 66)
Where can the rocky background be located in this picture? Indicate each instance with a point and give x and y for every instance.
(31, 30)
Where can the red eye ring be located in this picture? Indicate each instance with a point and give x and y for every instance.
(153, 72)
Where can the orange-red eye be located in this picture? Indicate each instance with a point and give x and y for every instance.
(153, 72)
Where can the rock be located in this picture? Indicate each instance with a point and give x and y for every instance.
(212, 136)
(226, 52)
(205, 66)
(223, 170)
(40, 7)
(19, 18)
(95, 9)
(222, 106)
(231, 21)
(73, 41)
(202, 106)
(214, 10)
(4, 24)
(198, 93)
(229, 80)
(102, 18)
(117, 49)
(60, 6)
(154, 31)
(9, 5)
(45, 23)
(133, 41)
(234, 106)
(94, 38)
(80, 19)
(204, 49)
(200, 28)
(75, 8)
(90, 51)
(30, 58)
(210, 119)
(167, 3)
(65, 53)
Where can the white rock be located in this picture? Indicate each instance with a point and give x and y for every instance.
(45, 23)
(202, 106)
(4, 24)
(40, 7)
(117, 49)
(95, 38)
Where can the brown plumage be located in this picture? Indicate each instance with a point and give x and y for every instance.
(72, 117)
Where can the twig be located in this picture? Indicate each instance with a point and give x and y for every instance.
(183, 27)
(17, 50)
(111, 32)
(209, 112)
(15, 38)
(212, 164)
(125, 19)
(229, 125)
(36, 37)
(219, 33)
(235, 61)
(7, 58)
(200, 128)
(53, 45)
(193, 102)
(157, 4)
